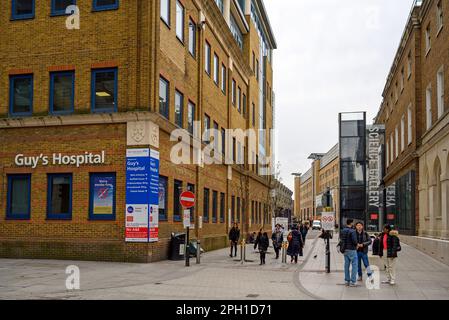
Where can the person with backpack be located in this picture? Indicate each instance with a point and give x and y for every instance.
(348, 246)
(389, 246)
(234, 236)
(363, 242)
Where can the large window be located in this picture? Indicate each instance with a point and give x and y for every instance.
(179, 108)
(206, 205)
(396, 135)
(222, 207)
(233, 92)
(104, 90)
(21, 95)
(177, 190)
(207, 59)
(62, 92)
(440, 15)
(101, 5)
(59, 196)
(165, 11)
(214, 206)
(180, 21)
(223, 78)
(164, 88)
(163, 198)
(428, 39)
(58, 7)
(192, 38)
(19, 197)
(440, 91)
(239, 99)
(233, 209)
(102, 196)
(206, 128)
(22, 9)
(216, 70)
(409, 124)
(403, 133)
(190, 117)
(223, 141)
(429, 106)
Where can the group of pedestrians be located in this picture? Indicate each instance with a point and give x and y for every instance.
(296, 241)
(354, 244)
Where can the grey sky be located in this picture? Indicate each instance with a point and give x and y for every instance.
(332, 56)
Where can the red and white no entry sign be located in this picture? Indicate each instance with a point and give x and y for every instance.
(187, 199)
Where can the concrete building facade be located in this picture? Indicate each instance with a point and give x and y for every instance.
(128, 77)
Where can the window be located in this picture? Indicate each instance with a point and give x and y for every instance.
(62, 92)
(252, 212)
(223, 141)
(409, 64)
(403, 133)
(163, 198)
(101, 5)
(439, 16)
(190, 117)
(235, 30)
(428, 39)
(19, 197)
(257, 69)
(223, 78)
(254, 115)
(238, 210)
(233, 93)
(402, 79)
(222, 207)
(21, 95)
(191, 188)
(206, 205)
(233, 209)
(58, 7)
(239, 99)
(244, 104)
(165, 11)
(59, 196)
(409, 124)
(179, 21)
(22, 9)
(179, 108)
(102, 196)
(396, 95)
(104, 90)
(214, 206)
(429, 106)
(440, 91)
(177, 190)
(391, 148)
(206, 128)
(216, 70)
(164, 89)
(192, 38)
(216, 134)
(207, 58)
(254, 63)
(234, 151)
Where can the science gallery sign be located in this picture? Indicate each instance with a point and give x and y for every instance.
(78, 160)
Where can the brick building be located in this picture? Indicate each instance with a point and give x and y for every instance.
(415, 113)
(321, 177)
(131, 74)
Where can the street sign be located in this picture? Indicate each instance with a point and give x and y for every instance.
(186, 219)
(328, 221)
(187, 199)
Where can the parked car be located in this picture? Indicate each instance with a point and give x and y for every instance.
(316, 225)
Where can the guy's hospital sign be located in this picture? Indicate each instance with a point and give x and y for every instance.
(78, 160)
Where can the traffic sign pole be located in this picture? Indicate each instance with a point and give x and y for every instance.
(187, 200)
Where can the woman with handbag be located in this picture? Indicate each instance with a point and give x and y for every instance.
(389, 246)
(295, 244)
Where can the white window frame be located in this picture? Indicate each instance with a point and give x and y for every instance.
(216, 69)
(396, 135)
(440, 17)
(440, 91)
(428, 39)
(391, 148)
(165, 11)
(180, 21)
(409, 124)
(403, 133)
(223, 78)
(429, 106)
(207, 62)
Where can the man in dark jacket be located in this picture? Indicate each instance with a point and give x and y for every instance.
(363, 242)
(349, 239)
(263, 244)
(389, 246)
(277, 238)
(234, 236)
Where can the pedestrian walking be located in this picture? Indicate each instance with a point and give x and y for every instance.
(389, 246)
(363, 243)
(234, 236)
(263, 244)
(348, 246)
(256, 242)
(304, 230)
(295, 244)
(277, 238)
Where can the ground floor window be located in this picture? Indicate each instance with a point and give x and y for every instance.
(177, 214)
(206, 205)
(59, 196)
(222, 207)
(102, 196)
(163, 200)
(19, 197)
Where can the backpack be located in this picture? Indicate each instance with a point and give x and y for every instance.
(342, 243)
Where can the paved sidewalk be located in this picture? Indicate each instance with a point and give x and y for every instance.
(419, 277)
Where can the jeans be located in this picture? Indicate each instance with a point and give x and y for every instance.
(234, 246)
(363, 257)
(351, 260)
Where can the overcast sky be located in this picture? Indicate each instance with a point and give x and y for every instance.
(332, 56)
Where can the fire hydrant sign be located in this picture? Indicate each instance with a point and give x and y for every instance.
(328, 221)
(142, 175)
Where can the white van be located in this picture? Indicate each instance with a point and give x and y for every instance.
(316, 225)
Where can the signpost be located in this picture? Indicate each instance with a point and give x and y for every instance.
(187, 200)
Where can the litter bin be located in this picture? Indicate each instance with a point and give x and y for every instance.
(177, 246)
